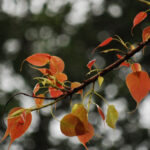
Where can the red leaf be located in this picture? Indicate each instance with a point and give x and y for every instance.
(107, 41)
(91, 63)
(104, 43)
(39, 59)
(125, 63)
(136, 67)
(138, 18)
(54, 92)
(36, 88)
(138, 84)
(87, 136)
(17, 126)
(146, 34)
(100, 112)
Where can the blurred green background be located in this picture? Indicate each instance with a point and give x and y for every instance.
(70, 29)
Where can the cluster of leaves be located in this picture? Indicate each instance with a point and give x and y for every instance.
(55, 83)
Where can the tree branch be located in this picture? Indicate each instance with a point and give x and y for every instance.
(88, 81)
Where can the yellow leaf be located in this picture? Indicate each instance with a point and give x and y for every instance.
(100, 80)
(112, 116)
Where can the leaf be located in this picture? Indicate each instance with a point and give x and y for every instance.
(91, 63)
(36, 88)
(125, 63)
(111, 50)
(56, 65)
(100, 112)
(61, 77)
(138, 84)
(17, 126)
(136, 67)
(39, 59)
(80, 111)
(104, 43)
(87, 136)
(146, 34)
(71, 125)
(144, 1)
(43, 80)
(55, 92)
(112, 116)
(39, 101)
(75, 85)
(138, 19)
(100, 80)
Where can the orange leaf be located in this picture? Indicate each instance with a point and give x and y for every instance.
(75, 85)
(56, 65)
(138, 84)
(87, 136)
(146, 34)
(39, 101)
(136, 67)
(61, 77)
(138, 18)
(125, 63)
(100, 112)
(36, 88)
(91, 63)
(39, 59)
(71, 125)
(104, 43)
(54, 92)
(18, 125)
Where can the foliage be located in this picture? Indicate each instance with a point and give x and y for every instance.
(54, 82)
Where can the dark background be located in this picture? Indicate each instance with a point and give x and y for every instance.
(70, 29)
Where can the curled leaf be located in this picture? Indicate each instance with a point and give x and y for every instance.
(112, 116)
(100, 112)
(17, 126)
(71, 125)
(91, 63)
(146, 34)
(138, 19)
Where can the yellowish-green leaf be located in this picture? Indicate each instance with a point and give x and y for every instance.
(111, 50)
(79, 111)
(144, 1)
(100, 80)
(44, 81)
(112, 116)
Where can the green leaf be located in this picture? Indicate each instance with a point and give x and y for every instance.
(112, 116)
